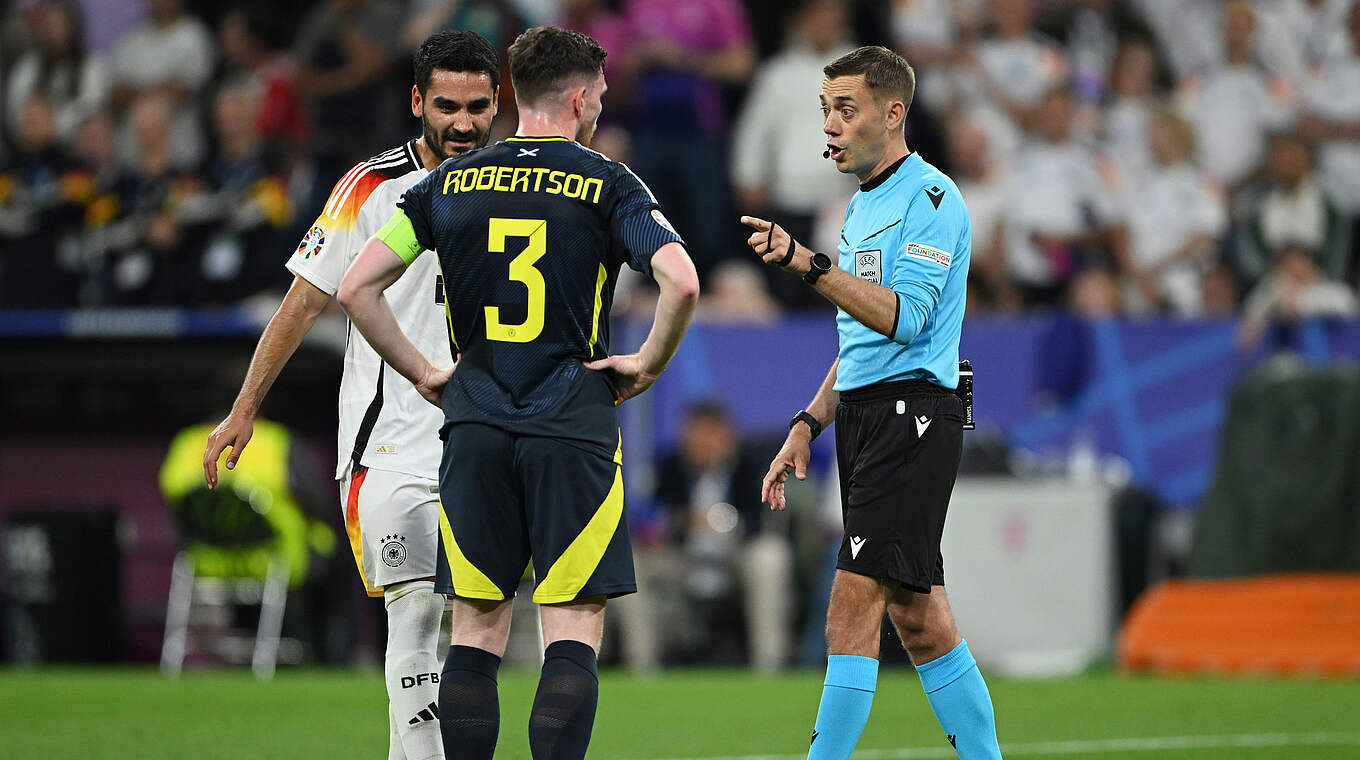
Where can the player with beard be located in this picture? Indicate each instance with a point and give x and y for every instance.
(388, 443)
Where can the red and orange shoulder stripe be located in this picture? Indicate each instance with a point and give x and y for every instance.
(353, 190)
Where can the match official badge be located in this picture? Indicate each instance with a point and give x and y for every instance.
(312, 242)
(662, 220)
(394, 550)
(869, 266)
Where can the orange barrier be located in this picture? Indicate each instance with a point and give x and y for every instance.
(1294, 624)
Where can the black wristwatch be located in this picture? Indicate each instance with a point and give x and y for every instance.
(820, 265)
(812, 423)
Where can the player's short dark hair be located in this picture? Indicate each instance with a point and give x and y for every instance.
(455, 51)
(888, 74)
(541, 58)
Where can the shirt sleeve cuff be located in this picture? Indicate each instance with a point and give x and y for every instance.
(904, 327)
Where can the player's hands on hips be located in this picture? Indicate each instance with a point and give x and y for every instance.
(234, 432)
(792, 459)
(431, 385)
(771, 243)
(627, 372)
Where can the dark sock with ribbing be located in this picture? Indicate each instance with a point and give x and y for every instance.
(469, 704)
(564, 707)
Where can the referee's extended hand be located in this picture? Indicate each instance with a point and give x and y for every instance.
(234, 432)
(772, 242)
(793, 458)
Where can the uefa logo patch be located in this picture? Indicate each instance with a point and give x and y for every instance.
(869, 266)
(393, 551)
(312, 242)
(662, 220)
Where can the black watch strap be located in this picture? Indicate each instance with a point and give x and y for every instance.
(812, 423)
(817, 268)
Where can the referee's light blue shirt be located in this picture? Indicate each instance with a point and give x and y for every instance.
(910, 233)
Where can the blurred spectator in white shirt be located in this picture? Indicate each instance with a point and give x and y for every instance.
(59, 68)
(1188, 32)
(1234, 105)
(1133, 85)
(1331, 116)
(1294, 211)
(777, 166)
(1013, 68)
(1309, 31)
(170, 54)
(1175, 213)
(930, 33)
(981, 178)
(1059, 208)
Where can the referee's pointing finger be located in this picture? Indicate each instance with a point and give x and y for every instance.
(755, 223)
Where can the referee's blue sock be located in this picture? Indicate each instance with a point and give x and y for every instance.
(847, 695)
(959, 697)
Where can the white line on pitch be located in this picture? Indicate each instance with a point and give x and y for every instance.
(1095, 746)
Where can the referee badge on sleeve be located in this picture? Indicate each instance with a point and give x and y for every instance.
(869, 266)
(928, 253)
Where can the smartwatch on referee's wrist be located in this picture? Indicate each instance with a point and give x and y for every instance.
(812, 423)
(819, 265)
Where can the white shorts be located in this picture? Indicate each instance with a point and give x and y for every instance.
(393, 524)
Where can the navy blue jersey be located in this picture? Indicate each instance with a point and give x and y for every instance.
(530, 234)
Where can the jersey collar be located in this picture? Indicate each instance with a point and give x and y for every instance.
(521, 138)
(884, 175)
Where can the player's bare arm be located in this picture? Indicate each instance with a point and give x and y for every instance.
(794, 456)
(675, 275)
(281, 337)
(873, 306)
(361, 296)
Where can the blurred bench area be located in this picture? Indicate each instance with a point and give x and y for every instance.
(1109, 456)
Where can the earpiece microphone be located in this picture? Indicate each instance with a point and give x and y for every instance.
(826, 154)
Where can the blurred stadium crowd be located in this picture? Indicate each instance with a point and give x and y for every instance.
(1184, 157)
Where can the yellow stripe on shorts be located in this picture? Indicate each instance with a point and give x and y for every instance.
(468, 581)
(573, 569)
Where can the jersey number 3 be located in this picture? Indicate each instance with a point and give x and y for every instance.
(521, 270)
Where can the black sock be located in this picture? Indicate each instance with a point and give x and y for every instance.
(469, 704)
(564, 707)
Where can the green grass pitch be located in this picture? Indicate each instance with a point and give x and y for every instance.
(128, 713)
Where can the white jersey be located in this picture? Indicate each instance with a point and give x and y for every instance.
(384, 423)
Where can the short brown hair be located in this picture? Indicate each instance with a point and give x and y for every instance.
(541, 58)
(888, 74)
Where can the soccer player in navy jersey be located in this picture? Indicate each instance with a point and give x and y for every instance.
(530, 234)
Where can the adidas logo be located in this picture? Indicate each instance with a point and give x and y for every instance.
(428, 713)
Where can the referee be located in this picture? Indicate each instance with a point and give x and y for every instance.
(899, 288)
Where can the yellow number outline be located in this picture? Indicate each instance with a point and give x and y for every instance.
(522, 269)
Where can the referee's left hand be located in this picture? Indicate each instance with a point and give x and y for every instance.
(793, 460)
(772, 245)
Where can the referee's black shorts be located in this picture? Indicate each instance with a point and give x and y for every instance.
(898, 445)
